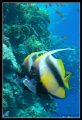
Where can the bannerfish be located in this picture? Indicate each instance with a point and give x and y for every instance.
(51, 74)
(29, 61)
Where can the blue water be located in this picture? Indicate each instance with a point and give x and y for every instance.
(70, 27)
(70, 106)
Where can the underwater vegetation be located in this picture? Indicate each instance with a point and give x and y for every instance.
(25, 30)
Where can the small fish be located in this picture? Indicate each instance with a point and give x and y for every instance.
(65, 37)
(54, 102)
(46, 6)
(6, 114)
(53, 7)
(50, 4)
(78, 10)
(29, 4)
(26, 11)
(30, 109)
(57, 4)
(22, 115)
(62, 19)
(32, 36)
(49, 20)
(38, 8)
(41, 14)
(59, 13)
(61, 4)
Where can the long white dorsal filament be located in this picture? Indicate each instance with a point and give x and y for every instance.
(54, 51)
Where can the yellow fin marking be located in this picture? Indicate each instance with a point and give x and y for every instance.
(60, 92)
(27, 57)
(39, 57)
(50, 83)
(66, 80)
(46, 81)
(61, 66)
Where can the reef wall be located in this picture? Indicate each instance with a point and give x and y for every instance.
(25, 30)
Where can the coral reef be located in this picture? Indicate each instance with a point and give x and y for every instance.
(27, 28)
(9, 56)
(24, 31)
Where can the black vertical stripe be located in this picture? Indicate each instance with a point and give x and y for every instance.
(54, 71)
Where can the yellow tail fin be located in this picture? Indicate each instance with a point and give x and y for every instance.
(66, 80)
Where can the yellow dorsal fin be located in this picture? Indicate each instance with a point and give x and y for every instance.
(52, 52)
(66, 80)
(39, 57)
(37, 53)
(61, 67)
(27, 57)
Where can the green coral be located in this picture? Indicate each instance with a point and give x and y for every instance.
(8, 55)
(5, 104)
(33, 45)
(8, 97)
(23, 33)
(27, 28)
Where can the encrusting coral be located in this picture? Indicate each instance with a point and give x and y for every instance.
(25, 30)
